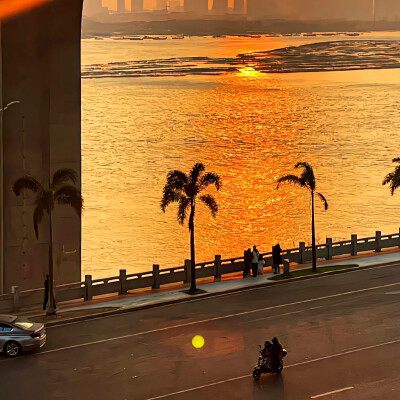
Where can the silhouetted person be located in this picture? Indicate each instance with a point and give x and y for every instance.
(254, 262)
(248, 257)
(276, 354)
(46, 292)
(276, 257)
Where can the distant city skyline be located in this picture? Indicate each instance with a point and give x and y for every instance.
(268, 9)
(152, 4)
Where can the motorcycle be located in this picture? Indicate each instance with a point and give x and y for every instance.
(264, 364)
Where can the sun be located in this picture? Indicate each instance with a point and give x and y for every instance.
(249, 72)
(198, 342)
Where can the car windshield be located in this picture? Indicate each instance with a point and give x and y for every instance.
(23, 323)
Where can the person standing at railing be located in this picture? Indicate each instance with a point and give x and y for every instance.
(261, 264)
(276, 258)
(248, 257)
(254, 263)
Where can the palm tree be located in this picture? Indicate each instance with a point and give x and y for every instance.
(307, 180)
(185, 189)
(393, 178)
(59, 191)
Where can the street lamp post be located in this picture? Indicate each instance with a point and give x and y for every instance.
(15, 102)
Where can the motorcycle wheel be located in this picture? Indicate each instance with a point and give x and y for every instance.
(256, 374)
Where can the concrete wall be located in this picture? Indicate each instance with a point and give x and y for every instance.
(40, 64)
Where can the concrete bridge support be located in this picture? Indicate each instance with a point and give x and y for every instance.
(40, 67)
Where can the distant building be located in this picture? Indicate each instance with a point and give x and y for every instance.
(175, 6)
(239, 7)
(387, 10)
(199, 7)
(161, 4)
(137, 6)
(220, 7)
(311, 9)
(93, 7)
(121, 7)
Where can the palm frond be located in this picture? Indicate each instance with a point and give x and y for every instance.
(177, 179)
(27, 182)
(210, 202)
(170, 195)
(62, 176)
(71, 196)
(42, 205)
(197, 169)
(210, 178)
(291, 179)
(394, 181)
(388, 178)
(174, 188)
(322, 197)
(184, 203)
(393, 178)
(307, 175)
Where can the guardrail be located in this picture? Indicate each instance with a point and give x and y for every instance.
(124, 283)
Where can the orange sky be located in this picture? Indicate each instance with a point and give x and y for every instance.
(147, 3)
(12, 7)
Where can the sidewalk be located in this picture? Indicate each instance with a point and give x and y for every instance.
(176, 293)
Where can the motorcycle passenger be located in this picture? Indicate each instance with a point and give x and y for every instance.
(276, 354)
(266, 351)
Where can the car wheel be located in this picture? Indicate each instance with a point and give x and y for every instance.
(12, 349)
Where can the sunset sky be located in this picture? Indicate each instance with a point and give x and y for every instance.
(8, 8)
(148, 4)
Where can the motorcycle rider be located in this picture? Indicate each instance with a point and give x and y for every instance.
(276, 354)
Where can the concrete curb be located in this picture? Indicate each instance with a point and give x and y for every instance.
(210, 295)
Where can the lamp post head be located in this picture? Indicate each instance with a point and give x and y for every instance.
(9, 105)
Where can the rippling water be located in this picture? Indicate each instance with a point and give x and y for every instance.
(250, 128)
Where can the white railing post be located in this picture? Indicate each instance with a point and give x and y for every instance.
(302, 250)
(15, 293)
(286, 267)
(217, 264)
(122, 281)
(156, 276)
(328, 249)
(88, 288)
(354, 245)
(188, 270)
(378, 240)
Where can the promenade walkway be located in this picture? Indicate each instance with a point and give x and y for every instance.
(176, 293)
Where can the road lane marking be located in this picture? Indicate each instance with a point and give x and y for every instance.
(258, 287)
(131, 335)
(333, 392)
(283, 314)
(343, 353)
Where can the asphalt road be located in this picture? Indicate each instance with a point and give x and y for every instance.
(342, 334)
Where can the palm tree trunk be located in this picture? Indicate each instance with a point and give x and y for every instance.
(314, 250)
(51, 309)
(192, 251)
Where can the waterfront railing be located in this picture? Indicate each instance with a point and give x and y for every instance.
(156, 278)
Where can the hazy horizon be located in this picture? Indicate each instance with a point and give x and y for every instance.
(148, 4)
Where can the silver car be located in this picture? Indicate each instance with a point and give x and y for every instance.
(18, 334)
